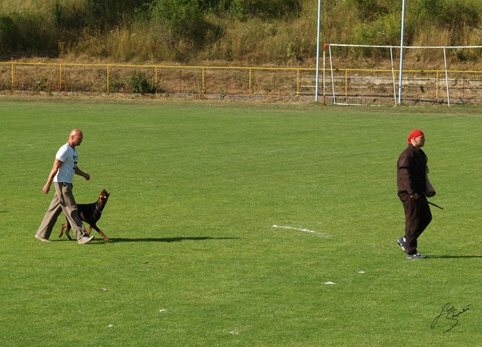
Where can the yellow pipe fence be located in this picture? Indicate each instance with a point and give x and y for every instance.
(222, 81)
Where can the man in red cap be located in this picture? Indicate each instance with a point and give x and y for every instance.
(412, 186)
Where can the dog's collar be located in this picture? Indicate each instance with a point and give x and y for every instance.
(98, 209)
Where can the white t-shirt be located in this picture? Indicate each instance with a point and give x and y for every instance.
(69, 157)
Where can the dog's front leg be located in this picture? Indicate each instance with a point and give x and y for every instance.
(106, 239)
(65, 227)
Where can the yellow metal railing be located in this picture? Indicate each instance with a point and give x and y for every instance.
(16, 76)
(438, 86)
(207, 81)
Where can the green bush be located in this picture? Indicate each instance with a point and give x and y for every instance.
(451, 14)
(183, 19)
(272, 8)
(106, 14)
(368, 10)
(8, 33)
(34, 35)
(243, 9)
(140, 84)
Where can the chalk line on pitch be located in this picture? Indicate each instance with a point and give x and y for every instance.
(325, 235)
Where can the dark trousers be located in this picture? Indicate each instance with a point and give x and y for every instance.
(417, 218)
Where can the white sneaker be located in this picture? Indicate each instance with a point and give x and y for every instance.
(85, 239)
(41, 238)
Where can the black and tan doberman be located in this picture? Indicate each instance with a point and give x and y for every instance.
(90, 213)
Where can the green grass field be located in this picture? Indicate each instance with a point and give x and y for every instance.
(195, 260)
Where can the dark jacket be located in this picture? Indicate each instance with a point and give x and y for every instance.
(412, 171)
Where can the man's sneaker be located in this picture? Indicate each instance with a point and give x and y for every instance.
(85, 239)
(403, 245)
(416, 256)
(41, 238)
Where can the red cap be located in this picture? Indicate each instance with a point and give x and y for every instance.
(414, 134)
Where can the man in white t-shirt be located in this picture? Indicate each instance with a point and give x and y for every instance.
(62, 174)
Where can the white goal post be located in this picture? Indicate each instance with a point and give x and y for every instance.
(390, 48)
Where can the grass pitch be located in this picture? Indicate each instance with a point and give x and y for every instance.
(195, 260)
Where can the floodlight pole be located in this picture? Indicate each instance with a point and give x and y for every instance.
(318, 51)
(401, 55)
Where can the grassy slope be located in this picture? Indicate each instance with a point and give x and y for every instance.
(195, 260)
(40, 30)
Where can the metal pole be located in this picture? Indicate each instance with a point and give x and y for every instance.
(318, 51)
(332, 76)
(446, 77)
(324, 76)
(401, 55)
(107, 82)
(393, 78)
(13, 76)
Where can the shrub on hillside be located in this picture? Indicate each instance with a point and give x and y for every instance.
(268, 9)
(106, 14)
(451, 14)
(140, 84)
(25, 32)
(8, 34)
(183, 19)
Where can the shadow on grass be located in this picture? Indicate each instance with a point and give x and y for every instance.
(172, 239)
(454, 256)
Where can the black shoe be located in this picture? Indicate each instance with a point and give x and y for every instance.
(416, 256)
(403, 245)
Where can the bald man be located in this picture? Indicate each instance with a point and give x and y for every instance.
(62, 174)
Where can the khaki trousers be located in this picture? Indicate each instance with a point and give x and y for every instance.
(63, 200)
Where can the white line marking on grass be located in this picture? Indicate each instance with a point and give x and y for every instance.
(325, 235)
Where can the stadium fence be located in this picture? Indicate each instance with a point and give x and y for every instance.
(341, 85)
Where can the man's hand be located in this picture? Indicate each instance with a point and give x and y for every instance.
(82, 173)
(415, 196)
(46, 188)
